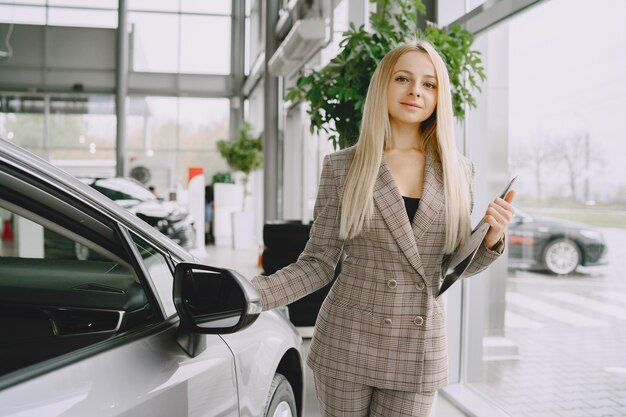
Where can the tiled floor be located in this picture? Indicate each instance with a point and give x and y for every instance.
(572, 360)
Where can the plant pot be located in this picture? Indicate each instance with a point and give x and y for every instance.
(243, 230)
(228, 199)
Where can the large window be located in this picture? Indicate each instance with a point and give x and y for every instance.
(173, 134)
(22, 121)
(84, 13)
(61, 128)
(166, 134)
(167, 36)
(545, 336)
(155, 41)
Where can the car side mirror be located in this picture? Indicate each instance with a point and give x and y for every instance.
(213, 300)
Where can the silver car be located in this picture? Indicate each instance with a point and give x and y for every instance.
(101, 315)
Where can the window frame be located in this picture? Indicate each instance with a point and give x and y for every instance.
(141, 266)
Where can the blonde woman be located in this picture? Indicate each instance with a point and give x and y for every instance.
(397, 203)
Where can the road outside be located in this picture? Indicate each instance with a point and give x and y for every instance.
(571, 334)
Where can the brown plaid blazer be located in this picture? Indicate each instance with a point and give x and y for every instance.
(381, 324)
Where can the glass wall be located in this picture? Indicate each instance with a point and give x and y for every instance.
(177, 133)
(84, 13)
(167, 36)
(75, 130)
(61, 127)
(77, 133)
(552, 324)
(22, 122)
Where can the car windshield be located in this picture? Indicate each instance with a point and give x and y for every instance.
(123, 189)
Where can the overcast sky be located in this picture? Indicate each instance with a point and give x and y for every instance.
(567, 72)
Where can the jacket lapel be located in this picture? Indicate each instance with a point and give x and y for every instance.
(389, 201)
(432, 200)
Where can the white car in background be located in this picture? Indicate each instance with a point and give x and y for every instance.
(138, 328)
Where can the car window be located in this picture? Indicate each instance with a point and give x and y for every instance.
(60, 292)
(159, 270)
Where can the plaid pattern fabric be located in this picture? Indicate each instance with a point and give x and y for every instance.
(381, 324)
(346, 399)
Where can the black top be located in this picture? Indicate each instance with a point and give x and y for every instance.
(411, 204)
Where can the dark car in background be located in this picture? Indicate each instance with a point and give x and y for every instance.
(558, 246)
(168, 217)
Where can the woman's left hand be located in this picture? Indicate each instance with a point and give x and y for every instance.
(498, 215)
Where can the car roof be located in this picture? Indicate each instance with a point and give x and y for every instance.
(33, 165)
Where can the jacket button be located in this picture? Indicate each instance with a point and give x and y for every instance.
(392, 283)
(418, 321)
(387, 322)
(420, 286)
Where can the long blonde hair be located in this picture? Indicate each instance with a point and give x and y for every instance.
(357, 203)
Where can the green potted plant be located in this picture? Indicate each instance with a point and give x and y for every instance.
(336, 92)
(222, 177)
(243, 154)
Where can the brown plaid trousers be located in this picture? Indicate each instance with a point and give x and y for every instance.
(380, 324)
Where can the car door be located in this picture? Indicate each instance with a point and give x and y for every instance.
(84, 331)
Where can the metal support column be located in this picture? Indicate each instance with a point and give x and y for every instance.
(431, 14)
(270, 131)
(121, 90)
(237, 64)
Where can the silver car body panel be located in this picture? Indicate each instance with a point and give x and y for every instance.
(150, 376)
(154, 377)
(257, 359)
